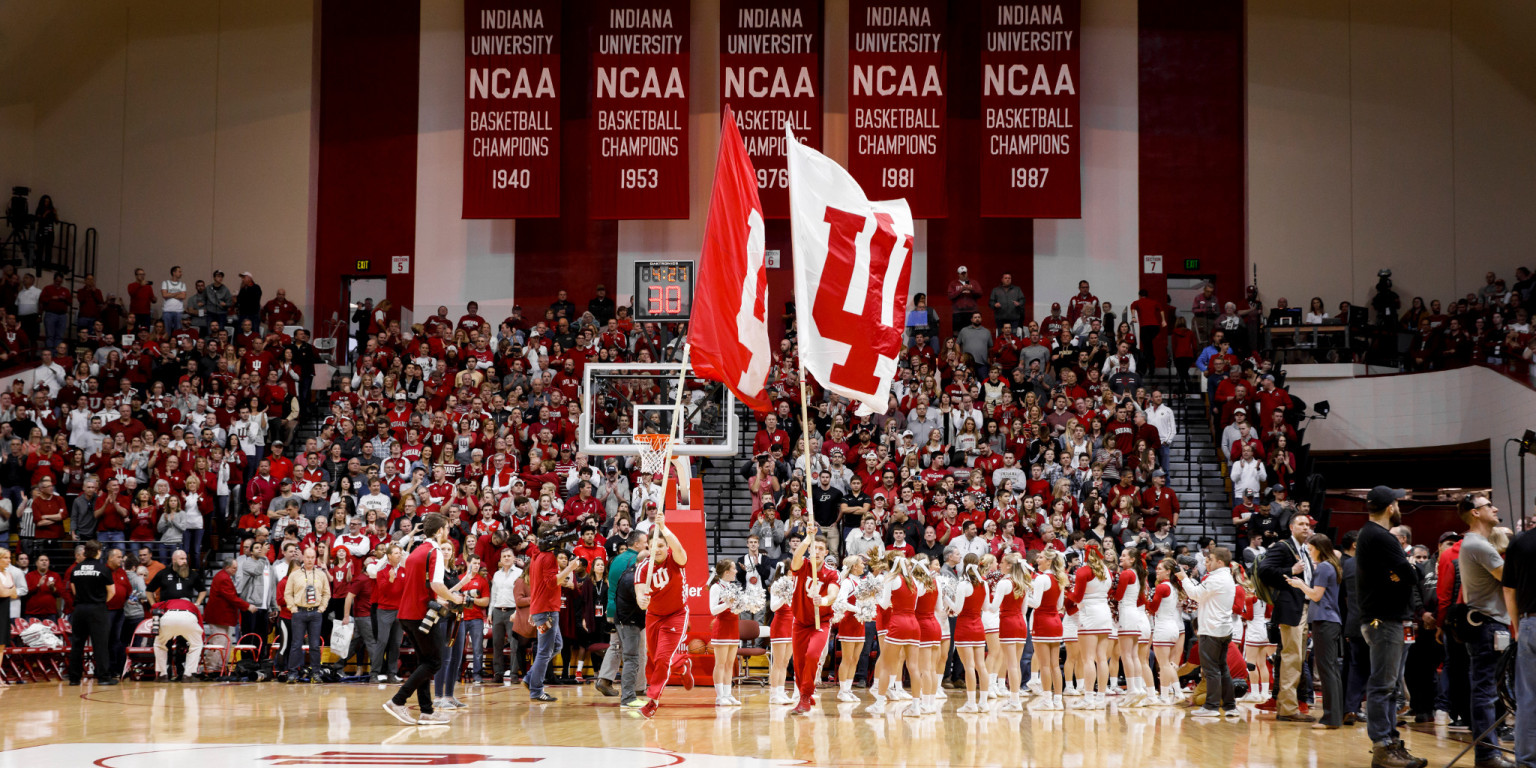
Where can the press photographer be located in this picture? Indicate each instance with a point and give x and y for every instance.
(424, 600)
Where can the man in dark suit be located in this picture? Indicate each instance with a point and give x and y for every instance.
(1288, 557)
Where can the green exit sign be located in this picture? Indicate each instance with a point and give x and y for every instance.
(1190, 265)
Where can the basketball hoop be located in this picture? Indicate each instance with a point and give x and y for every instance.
(653, 452)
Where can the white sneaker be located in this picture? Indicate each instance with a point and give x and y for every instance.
(381, 679)
(722, 701)
(399, 712)
(436, 718)
(877, 708)
(1205, 712)
(900, 694)
(914, 710)
(1442, 717)
(777, 698)
(735, 702)
(941, 695)
(968, 708)
(846, 696)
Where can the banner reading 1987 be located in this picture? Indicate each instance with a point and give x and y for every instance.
(511, 109)
(896, 102)
(1030, 107)
(639, 151)
(770, 75)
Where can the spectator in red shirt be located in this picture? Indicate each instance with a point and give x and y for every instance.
(141, 299)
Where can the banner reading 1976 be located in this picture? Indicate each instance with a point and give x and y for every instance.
(770, 75)
(1030, 162)
(639, 150)
(896, 102)
(511, 109)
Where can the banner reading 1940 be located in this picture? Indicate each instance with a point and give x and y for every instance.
(896, 102)
(639, 151)
(770, 75)
(1030, 162)
(511, 109)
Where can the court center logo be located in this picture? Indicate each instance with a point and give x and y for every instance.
(364, 756)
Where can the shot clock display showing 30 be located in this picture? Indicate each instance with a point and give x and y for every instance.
(663, 291)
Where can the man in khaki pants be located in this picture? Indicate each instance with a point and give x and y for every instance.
(1286, 559)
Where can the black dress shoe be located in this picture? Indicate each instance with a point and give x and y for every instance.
(74, 682)
(110, 681)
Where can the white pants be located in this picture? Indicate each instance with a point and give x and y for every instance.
(181, 624)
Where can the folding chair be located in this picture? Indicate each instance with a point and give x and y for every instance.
(140, 646)
(750, 632)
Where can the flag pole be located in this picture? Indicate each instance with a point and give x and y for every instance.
(675, 431)
(805, 449)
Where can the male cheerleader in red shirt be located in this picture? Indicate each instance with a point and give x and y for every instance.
(815, 591)
(661, 586)
(424, 571)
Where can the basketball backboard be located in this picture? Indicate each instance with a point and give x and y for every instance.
(620, 400)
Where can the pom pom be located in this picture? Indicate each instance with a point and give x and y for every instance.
(750, 601)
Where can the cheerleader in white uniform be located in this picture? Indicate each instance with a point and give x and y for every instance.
(780, 635)
(1135, 639)
(850, 630)
(993, 665)
(1257, 647)
(1167, 629)
(725, 630)
(1045, 598)
(1090, 590)
(946, 608)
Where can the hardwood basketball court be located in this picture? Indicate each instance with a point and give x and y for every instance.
(240, 725)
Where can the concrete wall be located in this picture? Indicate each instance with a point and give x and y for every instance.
(1389, 133)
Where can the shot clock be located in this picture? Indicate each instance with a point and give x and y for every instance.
(663, 291)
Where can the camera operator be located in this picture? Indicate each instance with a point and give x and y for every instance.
(545, 578)
(424, 590)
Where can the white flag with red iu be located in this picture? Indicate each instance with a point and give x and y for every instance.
(728, 335)
(853, 261)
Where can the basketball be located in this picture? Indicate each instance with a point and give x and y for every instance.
(697, 645)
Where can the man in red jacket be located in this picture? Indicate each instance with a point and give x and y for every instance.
(122, 589)
(224, 607)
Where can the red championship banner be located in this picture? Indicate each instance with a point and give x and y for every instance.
(639, 154)
(770, 74)
(896, 103)
(1030, 104)
(511, 109)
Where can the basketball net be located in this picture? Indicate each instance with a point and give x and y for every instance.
(656, 455)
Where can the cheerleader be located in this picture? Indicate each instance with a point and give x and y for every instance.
(1010, 598)
(781, 590)
(970, 634)
(1257, 647)
(1130, 592)
(993, 665)
(903, 637)
(879, 567)
(850, 630)
(725, 629)
(1045, 597)
(1167, 629)
(947, 606)
(1090, 591)
(929, 637)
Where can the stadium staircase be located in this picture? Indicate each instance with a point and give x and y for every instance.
(727, 502)
(1197, 471)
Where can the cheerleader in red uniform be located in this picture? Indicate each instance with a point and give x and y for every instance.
(1011, 595)
(924, 673)
(1167, 629)
(724, 630)
(993, 667)
(970, 634)
(850, 631)
(1135, 637)
(780, 633)
(903, 636)
(1046, 598)
(1090, 591)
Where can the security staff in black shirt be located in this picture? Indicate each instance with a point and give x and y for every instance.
(179, 581)
(91, 584)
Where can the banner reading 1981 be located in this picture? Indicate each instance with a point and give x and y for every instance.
(1030, 162)
(770, 75)
(639, 151)
(511, 109)
(896, 102)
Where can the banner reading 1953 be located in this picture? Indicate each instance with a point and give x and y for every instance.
(1030, 162)
(896, 102)
(511, 109)
(639, 151)
(770, 75)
